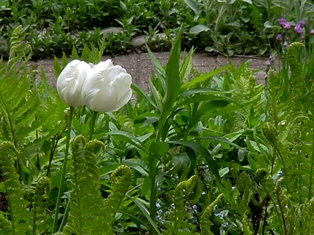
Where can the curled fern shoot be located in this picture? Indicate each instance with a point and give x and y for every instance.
(5, 226)
(178, 219)
(19, 216)
(121, 181)
(86, 204)
(297, 81)
(205, 222)
(42, 193)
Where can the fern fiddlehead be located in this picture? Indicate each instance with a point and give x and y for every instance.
(42, 193)
(205, 222)
(120, 185)
(86, 204)
(19, 216)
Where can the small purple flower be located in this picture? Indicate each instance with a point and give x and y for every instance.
(279, 38)
(286, 25)
(282, 21)
(298, 29)
(286, 44)
(312, 32)
(301, 23)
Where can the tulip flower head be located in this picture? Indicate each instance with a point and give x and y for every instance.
(71, 80)
(107, 88)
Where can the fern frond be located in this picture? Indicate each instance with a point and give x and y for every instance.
(121, 181)
(205, 218)
(245, 226)
(20, 50)
(86, 204)
(42, 193)
(297, 81)
(5, 226)
(19, 216)
(27, 107)
(178, 218)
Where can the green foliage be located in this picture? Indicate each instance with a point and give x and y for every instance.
(205, 222)
(168, 154)
(89, 212)
(86, 210)
(178, 218)
(228, 27)
(120, 184)
(42, 193)
(19, 218)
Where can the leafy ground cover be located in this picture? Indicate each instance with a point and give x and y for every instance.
(212, 153)
(224, 26)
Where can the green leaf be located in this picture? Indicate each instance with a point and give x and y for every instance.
(220, 139)
(130, 139)
(205, 76)
(173, 83)
(193, 5)
(159, 148)
(212, 164)
(74, 54)
(144, 210)
(140, 92)
(269, 25)
(210, 99)
(56, 67)
(198, 29)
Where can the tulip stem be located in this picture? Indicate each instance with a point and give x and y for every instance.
(60, 192)
(92, 124)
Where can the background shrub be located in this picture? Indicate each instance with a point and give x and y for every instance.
(227, 26)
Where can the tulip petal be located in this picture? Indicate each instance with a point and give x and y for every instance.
(107, 88)
(70, 82)
(103, 65)
(122, 86)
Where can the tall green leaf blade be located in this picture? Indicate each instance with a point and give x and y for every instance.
(205, 76)
(130, 139)
(173, 83)
(140, 92)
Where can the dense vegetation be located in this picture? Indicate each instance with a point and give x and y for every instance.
(224, 26)
(212, 153)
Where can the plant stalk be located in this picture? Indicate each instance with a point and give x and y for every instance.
(311, 171)
(55, 221)
(152, 203)
(92, 125)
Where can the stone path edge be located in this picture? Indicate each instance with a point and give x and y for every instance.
(140, 65)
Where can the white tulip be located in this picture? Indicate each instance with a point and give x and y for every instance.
(71, 80)
(108, 88)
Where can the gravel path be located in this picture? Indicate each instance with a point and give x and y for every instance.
(140, 65)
